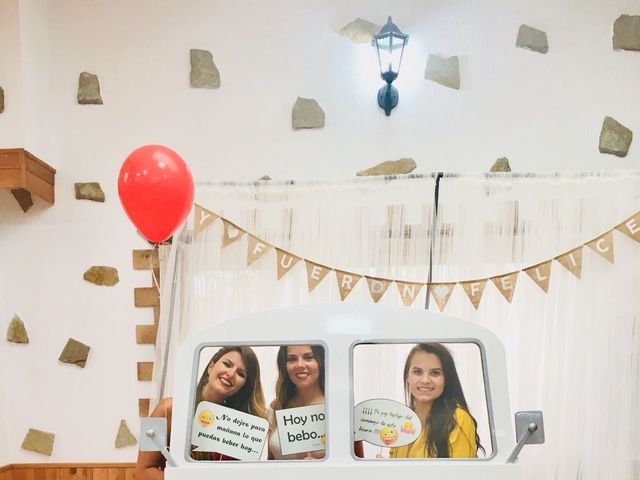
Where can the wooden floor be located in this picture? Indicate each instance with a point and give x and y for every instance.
(68, 471)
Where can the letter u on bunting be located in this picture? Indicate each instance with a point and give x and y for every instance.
(285, 262)
(409, 291)
(441, 293)
(377, 287)
(315, 274)
(631, 227)
(474, 290)
(231, 233)
(346, 282)
(572, 261)
(202, 218)
(540, 274)
(506, 284)
(603, 245)
(256, 249)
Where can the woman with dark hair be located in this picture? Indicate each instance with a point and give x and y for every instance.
(433, 391)
(232, 379)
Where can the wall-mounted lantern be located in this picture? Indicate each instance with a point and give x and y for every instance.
(389, 44)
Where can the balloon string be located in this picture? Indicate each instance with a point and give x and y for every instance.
(153, 272)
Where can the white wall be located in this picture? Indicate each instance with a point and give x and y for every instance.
(542, 111)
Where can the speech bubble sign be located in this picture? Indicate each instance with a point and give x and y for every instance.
(301, 429)
(385, 423)
(227, 431)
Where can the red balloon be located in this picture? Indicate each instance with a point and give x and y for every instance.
(156, 191)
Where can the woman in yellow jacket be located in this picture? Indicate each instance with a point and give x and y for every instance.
(433, 391)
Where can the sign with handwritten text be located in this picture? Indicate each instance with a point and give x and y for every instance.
(228, 431)
(385, 423)
(301, 429)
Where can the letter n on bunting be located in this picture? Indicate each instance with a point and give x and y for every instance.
(409, 291)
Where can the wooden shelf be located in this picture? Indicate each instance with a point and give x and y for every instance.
(25, 174)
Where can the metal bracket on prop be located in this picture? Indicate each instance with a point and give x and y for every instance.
(153, 437)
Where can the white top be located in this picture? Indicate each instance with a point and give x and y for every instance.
(274, 443)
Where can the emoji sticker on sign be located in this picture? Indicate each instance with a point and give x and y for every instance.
(388, 435)
(407, 427)
(206, 418)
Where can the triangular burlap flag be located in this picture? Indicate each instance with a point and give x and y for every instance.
(315, 274)
(409, 291)
(572, 261)
(441, 293)
(377, 287)
(202, 218)
(231, 233)
(506, 284)
(474, 290)
(256, 249)
(346, 282)
(631, 227)
(285, 262)
(603, 245)
(540, 274)
(124, 438)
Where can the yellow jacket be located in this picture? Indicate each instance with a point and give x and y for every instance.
(462, 440)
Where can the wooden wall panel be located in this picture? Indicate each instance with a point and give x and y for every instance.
(68, 471)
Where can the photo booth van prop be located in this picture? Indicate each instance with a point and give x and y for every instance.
(340, 328)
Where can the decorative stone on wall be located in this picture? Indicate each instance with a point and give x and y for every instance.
(17, 333)
(1, 100)
(501, 165)
(615, 138)
(124, 438)
(444, 71)
(360, 31)
(89, 191)
(307, 113)
(532, 39)
(75, 352)
(101, 275)
(626, 33)
(38, 441)
(89, 89)
(391, 167)
(264, 178)
(204, 73)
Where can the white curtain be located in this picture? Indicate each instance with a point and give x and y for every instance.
(573, 352)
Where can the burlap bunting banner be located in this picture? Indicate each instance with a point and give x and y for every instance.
(285, 262)
(474, 290)
(540, 274)
(409, 291)
(572, 261)
(441, 293)
(256, 248)
(315, 274)
(377, 287)
(603, 245)
(506, 284)
(231, 233)
(631, 227)
(346, 282)
(202, 218)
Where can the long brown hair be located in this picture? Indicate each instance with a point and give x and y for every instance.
(285, 388)
(249, 398)
(442, 419)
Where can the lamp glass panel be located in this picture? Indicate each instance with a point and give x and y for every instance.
(390, 49)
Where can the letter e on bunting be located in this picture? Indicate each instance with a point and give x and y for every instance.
(346, 282)
(315, 274)
(231, 233)
(474, 290)
(256, 249)
(603, 245)
(202, 218)
(285, 262)
(572, 261)
(409, 291)
(441, 293)
(377, 287)
(631, 227)
(506, 284)
(540, 274)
